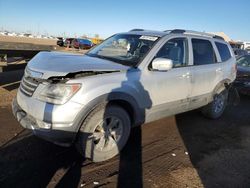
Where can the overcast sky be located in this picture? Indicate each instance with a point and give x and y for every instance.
(106, 17)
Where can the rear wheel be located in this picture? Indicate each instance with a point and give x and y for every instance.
(104, 133)
(216, 108)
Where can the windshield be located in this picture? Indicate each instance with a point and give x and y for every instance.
(244, 61)
(125, 49)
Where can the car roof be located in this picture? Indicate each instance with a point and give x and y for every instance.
(174, 31)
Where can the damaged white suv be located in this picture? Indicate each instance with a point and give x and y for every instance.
(131, 78)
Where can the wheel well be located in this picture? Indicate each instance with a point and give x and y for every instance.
(126, 106)
(225, 84)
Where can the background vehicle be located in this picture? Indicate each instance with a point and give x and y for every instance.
(95, 99)
(81, 44)
(60, 41)
(68, 42)
(242, 81)
(240, 52)
(246, 45)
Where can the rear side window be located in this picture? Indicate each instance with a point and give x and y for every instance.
(223, 50)
(203, 52)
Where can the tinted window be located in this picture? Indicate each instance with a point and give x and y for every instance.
(84, 41)
(224, 51)
(176, 50)
(203, 52)
(239, 52)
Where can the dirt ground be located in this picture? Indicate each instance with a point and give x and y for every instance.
(186, 150)
(27, 40)
(8, 42)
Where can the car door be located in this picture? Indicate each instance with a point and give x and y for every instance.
(206, 71)
(169, 90)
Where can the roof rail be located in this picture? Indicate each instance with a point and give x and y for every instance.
(178, 31)
(175, 31)
(199, 33)
(137, 30)
(218, 37)
(204, 34)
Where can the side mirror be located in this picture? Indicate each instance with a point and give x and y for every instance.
(162, 64)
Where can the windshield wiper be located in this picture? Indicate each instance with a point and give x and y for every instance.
(112, 59)
(98, 56)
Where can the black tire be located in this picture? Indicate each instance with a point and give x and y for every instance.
(104, 133)
(216, 108)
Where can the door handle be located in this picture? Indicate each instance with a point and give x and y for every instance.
(186, 75)
(218, 70)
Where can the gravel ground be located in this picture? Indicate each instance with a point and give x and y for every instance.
(186, 150)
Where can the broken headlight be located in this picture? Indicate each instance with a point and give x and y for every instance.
(58, 93)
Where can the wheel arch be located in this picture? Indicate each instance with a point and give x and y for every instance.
(124, 100)
(221, 86)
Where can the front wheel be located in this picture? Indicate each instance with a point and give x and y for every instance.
(104, 133)
(216, 108)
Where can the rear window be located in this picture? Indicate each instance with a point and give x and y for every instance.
(223, 50)
(84, 41)
(203, 52)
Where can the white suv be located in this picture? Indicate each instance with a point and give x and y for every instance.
(131, 78)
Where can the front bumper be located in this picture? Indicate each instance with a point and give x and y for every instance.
(63, 136)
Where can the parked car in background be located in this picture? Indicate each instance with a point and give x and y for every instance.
(4, 33)
(242, 81)
(12, 34)
(82, 44)
(68, 42)
(239, 52)
(246, 45)
(60, 41)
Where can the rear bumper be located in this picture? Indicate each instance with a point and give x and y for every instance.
(63, 136)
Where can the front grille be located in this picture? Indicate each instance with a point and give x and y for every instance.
(28, 85)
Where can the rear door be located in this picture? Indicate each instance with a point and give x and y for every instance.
(226, 61)
(206, 71)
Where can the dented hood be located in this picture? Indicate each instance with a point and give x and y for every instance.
(52, 64)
